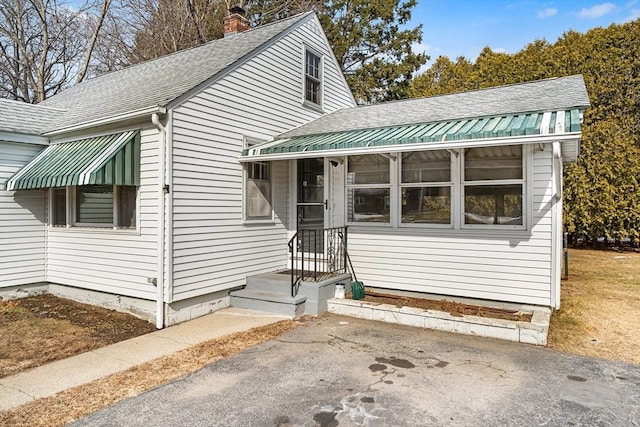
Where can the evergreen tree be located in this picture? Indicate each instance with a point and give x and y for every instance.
(368, 38)
(601, 191)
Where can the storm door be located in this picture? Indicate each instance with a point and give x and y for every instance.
(311, 205)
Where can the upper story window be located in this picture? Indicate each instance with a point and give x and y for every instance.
(312, 78)
(493, 185)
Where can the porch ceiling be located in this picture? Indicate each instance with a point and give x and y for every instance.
(106, 160)
(443, 134)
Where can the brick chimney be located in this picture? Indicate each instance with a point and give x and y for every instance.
(235, 21)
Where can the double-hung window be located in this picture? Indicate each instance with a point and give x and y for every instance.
(493, 186)
(312, 78)
(258, 191)
(425, 184)
(368, 189)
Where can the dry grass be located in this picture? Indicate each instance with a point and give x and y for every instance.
(44, 328)
(600, 311)
(70, 405)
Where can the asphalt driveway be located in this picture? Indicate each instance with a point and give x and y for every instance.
(340, 371)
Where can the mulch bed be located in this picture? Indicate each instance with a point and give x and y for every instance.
(453, 308)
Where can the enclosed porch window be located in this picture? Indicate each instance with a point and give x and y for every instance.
(493, 186)
(426, 187)
(368, 189)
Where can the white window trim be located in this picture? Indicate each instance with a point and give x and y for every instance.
(457, 200)
(248, 141)
(74, 226)
(393, 195)
(524, 181)
(451, 184)
(305, 102)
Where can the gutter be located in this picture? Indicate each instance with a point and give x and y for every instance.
(137, 114)
(399, 148)
(155, 119)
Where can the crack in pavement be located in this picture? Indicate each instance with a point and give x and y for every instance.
(18, 390)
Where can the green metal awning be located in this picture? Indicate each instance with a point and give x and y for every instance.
(422, 136)
(105, 160)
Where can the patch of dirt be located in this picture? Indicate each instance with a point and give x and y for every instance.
(453, 308)
(45, 328)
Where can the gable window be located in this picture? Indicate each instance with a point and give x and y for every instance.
(96, 206)
(312, 78)
(426, 187)
(368, 189)
(493, 186)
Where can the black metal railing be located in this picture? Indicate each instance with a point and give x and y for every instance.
(317, 254)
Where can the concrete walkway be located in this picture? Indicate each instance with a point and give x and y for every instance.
(55, 377)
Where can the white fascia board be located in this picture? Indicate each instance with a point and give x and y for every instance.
(399, 148)
(24, 138)
(137, 114)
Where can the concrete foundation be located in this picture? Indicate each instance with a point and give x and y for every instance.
(175, 312)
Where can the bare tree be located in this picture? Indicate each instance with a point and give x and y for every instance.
(166, 26)
(92, 40)
(45, 45)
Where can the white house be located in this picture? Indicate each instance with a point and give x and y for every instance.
(159, 189)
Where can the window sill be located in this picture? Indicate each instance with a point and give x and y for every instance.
(95, 230)
(259, 222)
(484, 233)
(313, 106)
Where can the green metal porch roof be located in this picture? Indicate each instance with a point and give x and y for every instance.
(542, 123)
(105, 160)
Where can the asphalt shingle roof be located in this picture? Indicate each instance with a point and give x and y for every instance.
(544, 95)
(160, 81)
(24, 118)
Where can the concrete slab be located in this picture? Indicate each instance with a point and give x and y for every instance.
(345, 371)
(57, 376)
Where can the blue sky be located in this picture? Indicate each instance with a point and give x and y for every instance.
(463, 27)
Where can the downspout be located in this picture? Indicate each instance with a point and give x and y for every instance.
(556, 228)
(169, 183)
(155, 119)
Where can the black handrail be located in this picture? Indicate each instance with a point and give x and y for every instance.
(317, 254)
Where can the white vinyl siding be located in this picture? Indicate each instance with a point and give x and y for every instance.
(22, 219)
(212, 248)
(512, 265)
(114, 261)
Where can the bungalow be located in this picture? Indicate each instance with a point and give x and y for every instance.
(166, 188)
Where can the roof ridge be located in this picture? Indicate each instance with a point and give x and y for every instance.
(189, 49)
(482, 89)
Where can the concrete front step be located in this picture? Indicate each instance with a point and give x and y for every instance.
(275, 282)
(269, 301)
